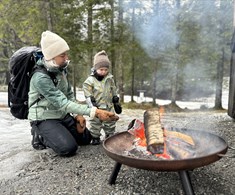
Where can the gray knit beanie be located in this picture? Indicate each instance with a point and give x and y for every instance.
(101, 60)
(52, 45)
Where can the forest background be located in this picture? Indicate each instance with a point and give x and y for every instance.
(170, 49)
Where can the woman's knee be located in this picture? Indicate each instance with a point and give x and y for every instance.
(67, 149)
(58, 138)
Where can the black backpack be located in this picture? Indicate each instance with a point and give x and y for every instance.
(22, 65)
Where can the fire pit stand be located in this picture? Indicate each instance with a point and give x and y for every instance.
(186, 182)
(184, 177)
(209, 149)
(114, 174)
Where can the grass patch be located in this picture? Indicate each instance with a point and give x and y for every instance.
(172, 107)
(143, 106)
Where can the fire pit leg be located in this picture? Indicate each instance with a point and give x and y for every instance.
(186, 182)
(115, 172)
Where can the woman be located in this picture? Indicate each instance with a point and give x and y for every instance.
(51, 117)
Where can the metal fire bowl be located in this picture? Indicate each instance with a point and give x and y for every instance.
(208, 149)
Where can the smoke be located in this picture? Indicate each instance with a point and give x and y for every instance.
(200, 29)
(157, 35)
(154, 28)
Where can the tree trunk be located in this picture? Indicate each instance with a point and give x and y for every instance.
(174, 85)
(113, 60)
(132, 79)
(219, 82)
(231, 97)
(74, 80)
(120, 66)
(174, 81)
(231, 102)
(220, 67)
(90, 37)
(154, 80)
(48, 15)
(133, 58)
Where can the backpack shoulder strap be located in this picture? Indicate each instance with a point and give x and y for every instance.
(42, 69)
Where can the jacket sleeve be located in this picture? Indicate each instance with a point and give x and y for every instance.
(114, 88)
(88, 87)
(55, 97)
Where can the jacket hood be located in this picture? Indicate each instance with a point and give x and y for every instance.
(42, 62)
(109, 75)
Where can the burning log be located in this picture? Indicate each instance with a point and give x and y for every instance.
(176, 145)
(153, 132)
(180, 150)
(174, 134)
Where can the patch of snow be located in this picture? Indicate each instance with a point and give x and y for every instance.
(195, 104)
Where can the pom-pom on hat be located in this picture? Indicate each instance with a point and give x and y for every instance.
(52, 45)
(101, 60)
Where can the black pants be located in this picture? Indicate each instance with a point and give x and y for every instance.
(61, 135)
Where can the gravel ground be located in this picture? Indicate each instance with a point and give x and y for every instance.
(25, 171)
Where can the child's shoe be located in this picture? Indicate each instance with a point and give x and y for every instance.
(95, 141)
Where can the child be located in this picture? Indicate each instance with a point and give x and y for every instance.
(100, 91)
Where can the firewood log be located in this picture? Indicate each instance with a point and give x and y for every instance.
(153, 131)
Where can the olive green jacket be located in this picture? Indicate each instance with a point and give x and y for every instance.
(103, 91)
(58, 100)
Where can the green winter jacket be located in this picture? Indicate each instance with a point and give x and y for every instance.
(103, 91)
(58, 100)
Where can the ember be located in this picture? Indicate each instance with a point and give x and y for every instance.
(176, 145)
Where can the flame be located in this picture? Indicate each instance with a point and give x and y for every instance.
(139, 132)
(161, 112)
(164, 155)
(172, 140)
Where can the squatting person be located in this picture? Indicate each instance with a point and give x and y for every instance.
(57, 119)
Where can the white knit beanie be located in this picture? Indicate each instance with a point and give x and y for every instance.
(52, 45)
(101, 60)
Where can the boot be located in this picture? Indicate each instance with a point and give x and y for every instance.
(37, 140)
(95, 141)
(108, 135)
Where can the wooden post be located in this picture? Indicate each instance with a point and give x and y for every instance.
(233, 13)
(231, 97)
